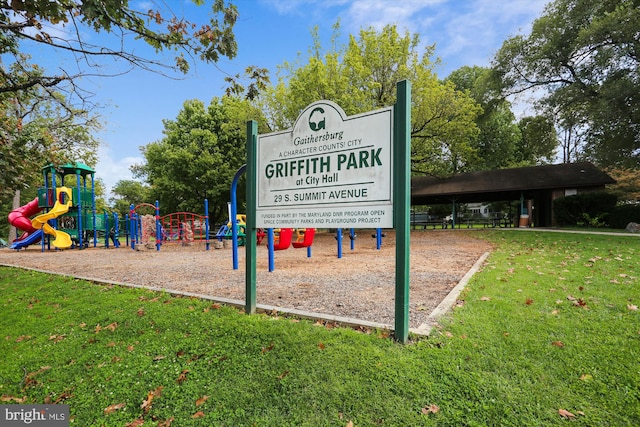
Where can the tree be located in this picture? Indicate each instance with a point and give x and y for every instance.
(586, 56)
(200, 153)
(38, 127)
(499, 136)
(127, 192)
(627, 187)
(539, 141)
(362, 76)
(62, 25)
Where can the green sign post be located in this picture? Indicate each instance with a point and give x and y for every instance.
(251, 239)
(402, 205)
(334, 171)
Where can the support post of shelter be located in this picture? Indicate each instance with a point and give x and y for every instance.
(401, 205)
(250, 242)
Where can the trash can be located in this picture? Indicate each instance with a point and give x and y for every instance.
(524, 220)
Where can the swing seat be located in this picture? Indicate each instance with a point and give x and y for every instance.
(260, 235)
(305, 238)
(283, 240)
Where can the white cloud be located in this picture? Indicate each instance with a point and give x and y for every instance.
(466, 32)
(111, 170)
(378, 13)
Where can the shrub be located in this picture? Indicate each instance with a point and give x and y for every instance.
(585, 209)
(623, 215)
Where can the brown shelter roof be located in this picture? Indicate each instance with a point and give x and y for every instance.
(506, 184)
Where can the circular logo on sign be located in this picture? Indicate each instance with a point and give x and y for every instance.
(317, 119)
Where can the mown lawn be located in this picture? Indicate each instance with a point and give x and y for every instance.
(548, 333)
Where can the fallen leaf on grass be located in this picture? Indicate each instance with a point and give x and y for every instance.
(431, 409)
(586, 377)
(146, 404)
(29, 379)
(632, 307)
(580, 303)
(135, 423)
(166, 423)
(267, 348)
(57, 338)
(201, 400)
(485, 299)
(60, 398)
(198, 414)
(140, 312)
(282, 375)
(529, 301)
(183, 376)
(565, 414)
(111, 326)
(113, 408)
(6, 398)
(558, 344)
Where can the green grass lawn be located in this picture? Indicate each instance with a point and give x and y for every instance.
(548, 333)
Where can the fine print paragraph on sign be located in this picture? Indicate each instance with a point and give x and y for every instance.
(328, 171)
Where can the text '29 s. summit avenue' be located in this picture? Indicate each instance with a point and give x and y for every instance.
(326, 169)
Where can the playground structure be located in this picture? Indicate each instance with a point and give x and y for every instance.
(178, 227)
(225, 232)
(69, 211)
(277, 240)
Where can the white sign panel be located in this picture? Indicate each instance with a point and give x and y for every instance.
(329, 171)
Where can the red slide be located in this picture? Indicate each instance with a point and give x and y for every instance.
(20, 217)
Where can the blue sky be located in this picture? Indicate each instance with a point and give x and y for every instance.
(270, 32)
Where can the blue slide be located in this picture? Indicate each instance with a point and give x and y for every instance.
(29, 240)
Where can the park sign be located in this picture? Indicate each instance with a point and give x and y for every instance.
(328, 171)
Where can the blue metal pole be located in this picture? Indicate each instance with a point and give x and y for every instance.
(158, 227)
(270, 247)
(206, 222)
(339, 239)
(116, 226)
(378, 238)
(234, 214)
(352, 237)
(105, 217)
(132, 226)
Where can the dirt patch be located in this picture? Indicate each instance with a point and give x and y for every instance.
(359, 285)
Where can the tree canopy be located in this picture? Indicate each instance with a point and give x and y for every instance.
(45, 115)
(61, 26)
(200, 153)
(583, 58)
(362, 76)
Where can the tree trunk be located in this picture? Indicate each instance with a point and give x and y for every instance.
(13, 233)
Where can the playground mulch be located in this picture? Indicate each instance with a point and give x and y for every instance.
(360, 285)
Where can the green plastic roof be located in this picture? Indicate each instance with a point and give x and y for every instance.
(70, 168)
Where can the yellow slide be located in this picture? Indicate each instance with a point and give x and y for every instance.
(61, 240)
